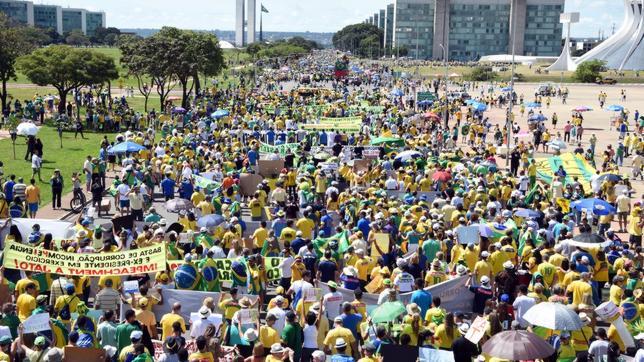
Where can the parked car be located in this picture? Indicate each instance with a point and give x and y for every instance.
(606, 81)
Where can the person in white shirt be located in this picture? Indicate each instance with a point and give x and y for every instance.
(623, 209)
(384, 295)
(200, 325)
(391, 184)
(521, 305)
(285, 267)
(639, 356)
(36, 164)
(279, 314)
(404, 281)
(124, 201)
(332, 301)
(598, 350)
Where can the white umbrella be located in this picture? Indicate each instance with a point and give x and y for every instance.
(554, 316)
(27, 129)
(560, 145)
(407, 155)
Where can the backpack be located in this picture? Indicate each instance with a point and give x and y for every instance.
(65, 312)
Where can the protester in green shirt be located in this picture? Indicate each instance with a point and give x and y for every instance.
(292, 335)
(124, 330)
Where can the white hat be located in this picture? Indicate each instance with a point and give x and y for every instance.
(506, 213)
(250, 335)
(350, 271)
(508, 265)
(463, 328)
(485, 253)
(204, 312)
(639, 336)
(136, 335)
(485, 279)
(340, 343)
(203, 230)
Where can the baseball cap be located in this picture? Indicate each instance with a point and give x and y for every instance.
(40, 341)
(136, 335)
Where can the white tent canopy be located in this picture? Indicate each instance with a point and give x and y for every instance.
(225, 45)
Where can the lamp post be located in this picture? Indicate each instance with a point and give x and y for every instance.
(445, 55)
(509, 116)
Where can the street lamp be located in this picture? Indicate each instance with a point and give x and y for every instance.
(509, 116)
(445, 55)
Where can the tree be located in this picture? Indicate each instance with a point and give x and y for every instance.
(482, 74)
(190, 53)
(590, 71)
(66, 68)
(400, 51)
(13, 44)
(77, 38)
(351, 38)
(137, 63)
(106, 36)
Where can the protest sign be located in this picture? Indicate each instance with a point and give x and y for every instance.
(477, 330)
(248, 183)
(382, 241)
(271, 264)
(434, 355)
(75, 354)
(26, 257)
(131, 286)
(265, 148)
(467, 234)
(248, 316)
(361, 165)
(36, 323)
(346, 127)
(371, 152)
(270, 168)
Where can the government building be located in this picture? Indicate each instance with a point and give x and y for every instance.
(63, 20)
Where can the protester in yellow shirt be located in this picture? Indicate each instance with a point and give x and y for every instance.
(26, 302)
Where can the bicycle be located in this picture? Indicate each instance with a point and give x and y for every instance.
(77, 204)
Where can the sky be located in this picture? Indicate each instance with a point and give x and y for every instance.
(296, 15)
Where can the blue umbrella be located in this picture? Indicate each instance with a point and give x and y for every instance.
(397, 93)
(470, 101)
(220, 113)
(615, 108)
(210, 221)
(127, 146)
(425, 103)
(533, 105)
(537, 117)
(506, 89)
(598, 206)
(526, 213)
(478, 106)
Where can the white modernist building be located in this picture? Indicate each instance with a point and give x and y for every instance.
(625, 49)
(565, 62)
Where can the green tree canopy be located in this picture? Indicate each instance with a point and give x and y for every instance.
(364, 40)
(77, 38)
(14, 42)
(589, 71)
(66, 68)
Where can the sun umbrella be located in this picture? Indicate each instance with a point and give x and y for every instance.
(178, 109)
(426, 102)
(408, 155)
(589, 238)
(607, 176)
(554, 316)
(533, 105)
(598, 206)
(322, 155)
(397, 93)
(506, 89)
(470, 101)
(431, 115)
(220, 113)
(582, 109)
(615, 108)
(558, 144)
(176, 205)
(27, 129)
(442, 176)
(478, 106)
(390, 141)
(127, 146)
(537, 118)
(388, 312)
(210, 221)
(523, 134)
(525, 213)
(517, 345)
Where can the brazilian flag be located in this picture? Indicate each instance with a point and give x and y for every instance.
(342, 238)
(239, 272)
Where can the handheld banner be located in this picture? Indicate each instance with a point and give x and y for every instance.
(271, 264)
(26, 257)
(36, 323)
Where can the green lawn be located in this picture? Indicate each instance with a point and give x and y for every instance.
(528, 74)
(68, 159)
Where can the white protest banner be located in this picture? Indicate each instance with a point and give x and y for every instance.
(454, 296)
(477, 330)
(371, 152)
(131, 286)
(36, 323)
(190, 300)
(248, 316)
(467, 234)
(434, 355)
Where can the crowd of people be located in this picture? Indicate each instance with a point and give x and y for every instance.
(389, 226)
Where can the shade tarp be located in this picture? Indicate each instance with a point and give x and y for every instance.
(574, 165)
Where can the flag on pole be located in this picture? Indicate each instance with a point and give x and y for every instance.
(264, 10)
